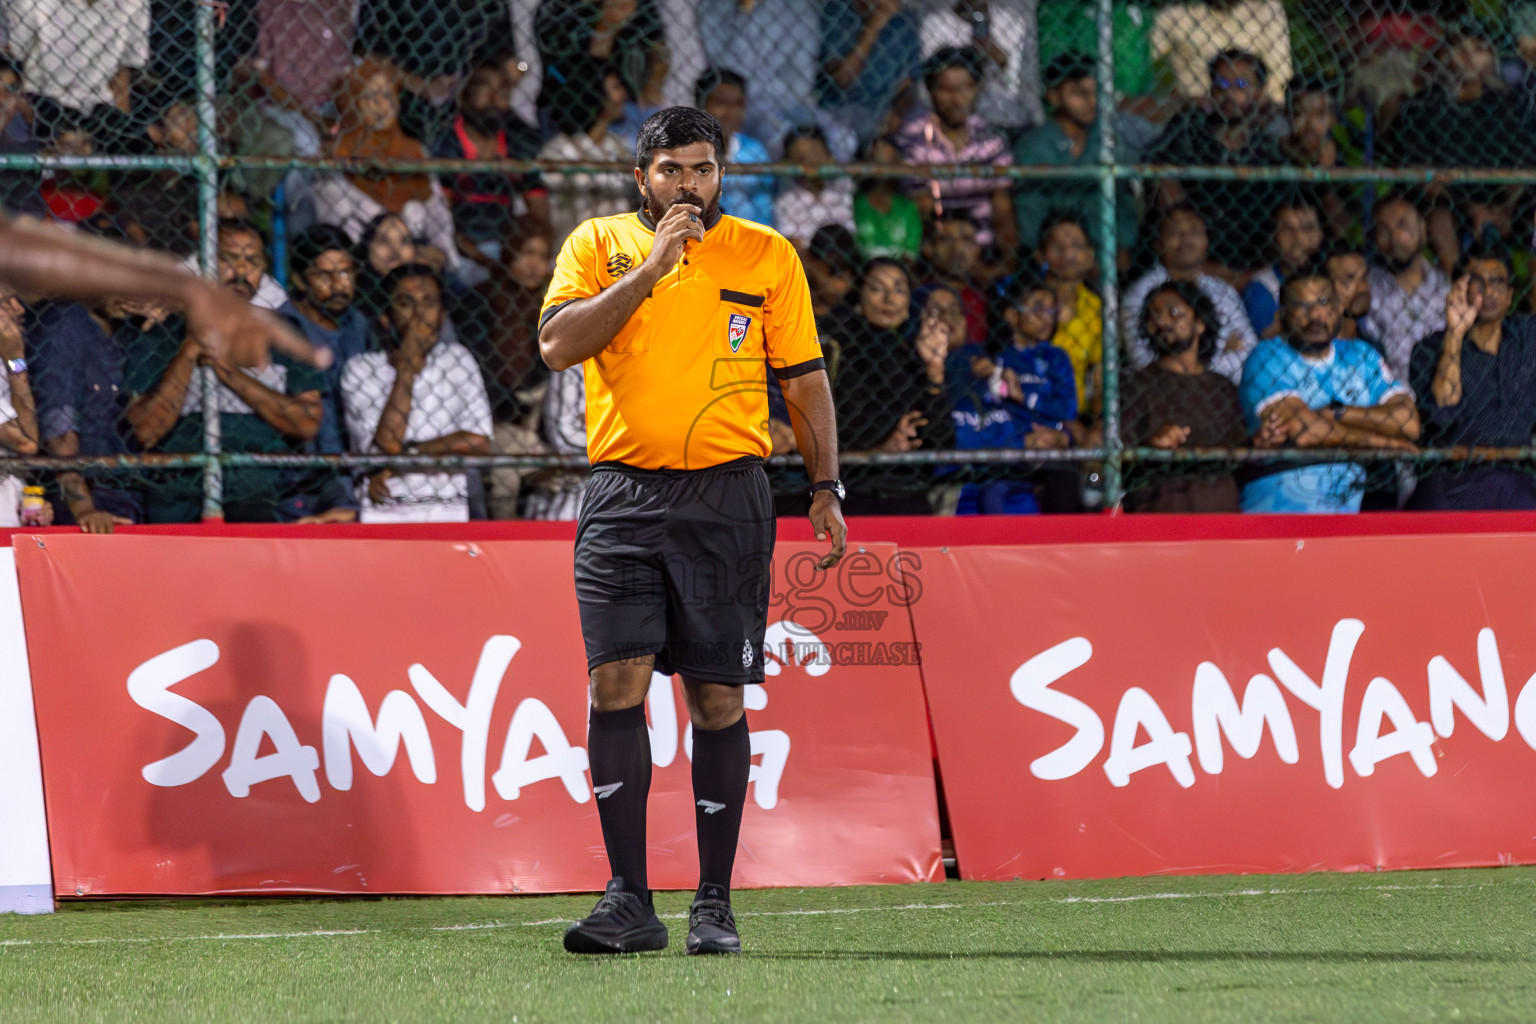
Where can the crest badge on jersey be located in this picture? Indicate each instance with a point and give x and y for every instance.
(737, 332)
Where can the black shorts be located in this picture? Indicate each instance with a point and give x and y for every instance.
(677, 563)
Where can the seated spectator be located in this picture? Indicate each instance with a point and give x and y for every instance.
(952, 134)
(306, 45)
(484, 204)
(18, 409)
(808, 203)
(1003, 32)
(1298, 237)
(1312, 389)
(80, 54)
(1069, 138)
(1188, 35)
(582, 118)
(783, 74)
(885, 220)
(581, 41)
(1066, 257)
(1177, 402)
(75, 196)
(889, 390)
(368, 108)
(869, 56)
(158, 206)
(1181, 247)
(386, 243)
(271, 409)
(1476, 387)
(556, 494)
(1350, 273)
(18, 189)
(952, 257)
(1407, 291)
(1313, 141)
(242, 264)
(1071, 27)
(1230, 132)
(722, 94)
(831, 267)
(1518, 69)
(421, 396)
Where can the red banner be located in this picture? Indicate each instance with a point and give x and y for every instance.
(1233, 706)
(254, 715)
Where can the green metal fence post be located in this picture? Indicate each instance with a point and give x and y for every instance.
(208, 238)
(1109, 271)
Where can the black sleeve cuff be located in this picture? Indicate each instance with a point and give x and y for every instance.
(799, 369)
(551, 311)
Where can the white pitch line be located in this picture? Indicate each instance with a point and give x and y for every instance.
(493, 925)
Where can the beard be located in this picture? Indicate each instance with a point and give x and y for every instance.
(657, 209)
(1166, 345)
(1395, 265)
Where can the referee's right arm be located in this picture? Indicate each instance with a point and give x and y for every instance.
(577, 330)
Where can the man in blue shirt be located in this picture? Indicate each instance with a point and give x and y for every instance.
(1298, 237)
(1312, 389)
(722, 93)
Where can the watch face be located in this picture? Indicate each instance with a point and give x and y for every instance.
(838, 490)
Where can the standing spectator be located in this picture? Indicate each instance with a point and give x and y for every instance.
(952, 134)
(889, 390)
(1070, 27)
(1476, 386)
(1066, 256)
(869, 56)
(1349, 271)
(558, 494)
(1181, 248)
(582, 118)
(1231, 132)
(1069, 138)
(421, 396)
(79, 53)
(1311, 389)
(722, 94)
(776, 46)
(1467, 118)
(368, 107)
(809, 203)
(18, 189)
(1313, 141)
(1298, 237)
(581, 40)
(18, 409)
(159, 205)
(885, 220)
(306, 45)
(1189, 35)
(484, 204)
(952, 258)
(1407, 291)
(1003, 32)
(1177, 402)
(77, 196)
(1036, 374)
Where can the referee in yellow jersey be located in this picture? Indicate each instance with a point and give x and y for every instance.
(677, 314)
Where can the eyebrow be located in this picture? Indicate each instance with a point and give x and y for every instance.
(666, 161)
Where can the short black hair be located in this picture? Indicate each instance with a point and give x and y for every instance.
(316, 240)
(803, 131)
(1024, 284)
(835, 245)
(1307, 85)
(241, 226)
(1062, 215)
(407, 271)
(1338, 249)
(713, 78)
(1297, 199)
(675, 127)
(947, 58)
(1182, 206)
(1313, 270)
(1231, 55)
(1197, 301)
(1067, 67)
(885, 261)
(9, 65)
(1401, 194)
(1486, 249)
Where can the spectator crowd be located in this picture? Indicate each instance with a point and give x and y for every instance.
(958, 309)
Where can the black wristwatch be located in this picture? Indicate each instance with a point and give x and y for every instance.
(835, 486)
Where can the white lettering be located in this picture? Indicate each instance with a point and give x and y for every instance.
(345, 723)
(533, 720)
(662, 704)
(1031, 687)
(1449, 691)
(1525, 713)
(149, 685)
(773, 744)
(473, 717)
(1408, 735)
(1214, 711)
(298, 761)
(1139, 710)
(1328, 698)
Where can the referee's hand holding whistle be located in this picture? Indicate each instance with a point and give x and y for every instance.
(679, 226)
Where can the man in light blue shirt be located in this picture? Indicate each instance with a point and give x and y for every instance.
(722, 93)
(1312, 389)
(776, 46)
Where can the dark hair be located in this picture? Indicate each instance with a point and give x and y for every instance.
(803, 131)
(1297, 200)
(1306, 85)
(884, 261)
(1024, 284)
(239, 225)
(1339, 249)
(835, 245)
(1313, 270)
(1485, 249)
(1232, 55)
(408, 271)
(1400, 194)
(1059, 216)
(1203, 308)
(674, 127)
(7, 64)
(1067, 67)
(1182, 206)
(947, 58)
(518, 231)
(371, 231)
(713, 78)
(577, 103)
(316, 240)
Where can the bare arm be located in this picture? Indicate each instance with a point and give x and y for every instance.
(1397, 417)
(460, 442)
(295, 416)
(814, 420)
(846, 69)
(389, 435)
(1446, 387)
(581, 329)
(154, 413)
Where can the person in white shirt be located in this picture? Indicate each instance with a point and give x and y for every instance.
(79, 53)
(1182, 246)
(18, 410)
(424, 396)
(805, 204)
(583, 119)
(1004, 33)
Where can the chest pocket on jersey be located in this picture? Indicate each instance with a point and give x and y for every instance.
(738, 345)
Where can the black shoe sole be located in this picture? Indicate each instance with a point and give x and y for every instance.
(643, 940)
(697, 948)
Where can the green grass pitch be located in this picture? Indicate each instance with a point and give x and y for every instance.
(1402, 946)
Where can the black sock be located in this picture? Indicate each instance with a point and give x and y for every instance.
(721, 759)
(619, 749)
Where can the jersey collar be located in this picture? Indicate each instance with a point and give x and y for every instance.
(650, 225)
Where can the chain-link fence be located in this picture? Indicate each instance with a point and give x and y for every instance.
(1269, 255)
